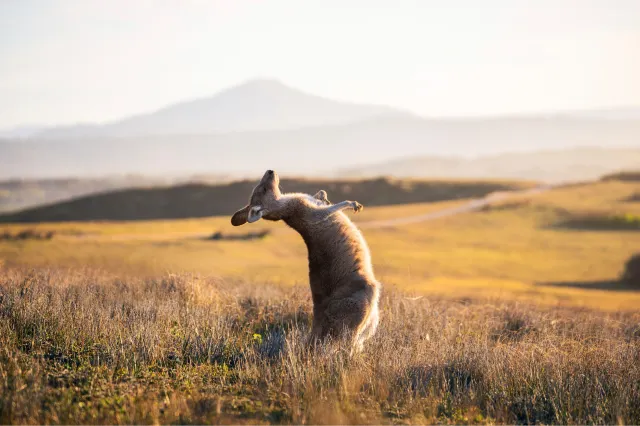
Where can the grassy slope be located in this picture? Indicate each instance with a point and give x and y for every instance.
(201, 200)
(510, 252)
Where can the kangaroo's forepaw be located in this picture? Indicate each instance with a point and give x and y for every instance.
(357, 207)
(322, 196)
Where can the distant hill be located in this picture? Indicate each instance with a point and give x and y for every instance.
(624, 176)
(313, 150)
(20, 132)
(551, 166)
(198, 200)
(19, 194)
(256, 105)
(628, 113)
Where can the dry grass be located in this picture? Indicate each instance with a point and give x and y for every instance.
(79, 346)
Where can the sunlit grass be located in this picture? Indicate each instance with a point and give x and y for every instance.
(511, 252)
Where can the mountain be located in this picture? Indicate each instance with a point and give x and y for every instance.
(551, 166)
(264, 124)
(257, 105)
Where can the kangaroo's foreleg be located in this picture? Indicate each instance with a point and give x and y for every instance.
(329, 210)
(322, 196)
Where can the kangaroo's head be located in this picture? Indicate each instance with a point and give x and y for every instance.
(263, 203)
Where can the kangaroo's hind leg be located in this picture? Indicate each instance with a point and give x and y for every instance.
(369, 329)
(345, 318)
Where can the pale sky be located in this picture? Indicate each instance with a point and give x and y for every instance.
(70, 61)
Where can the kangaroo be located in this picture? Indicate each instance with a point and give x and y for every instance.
(344, 289)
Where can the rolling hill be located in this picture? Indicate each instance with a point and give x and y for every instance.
(310, 150)
(199, 200)
(19, 194)
(550, 166)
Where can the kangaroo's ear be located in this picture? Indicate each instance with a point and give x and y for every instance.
(240, 217)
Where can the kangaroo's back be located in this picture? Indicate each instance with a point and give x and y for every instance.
(337, 252)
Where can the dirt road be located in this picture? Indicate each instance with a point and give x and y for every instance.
(472, 205)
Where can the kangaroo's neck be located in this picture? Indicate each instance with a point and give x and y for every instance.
(318, 234)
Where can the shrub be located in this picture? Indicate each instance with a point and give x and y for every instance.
(26, 234)
(631, 273)
(258, 235)
(602, 222)
(633, 198)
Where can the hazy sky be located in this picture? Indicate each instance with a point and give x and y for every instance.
(87, 60)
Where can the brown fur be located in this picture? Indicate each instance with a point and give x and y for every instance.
(344, 290)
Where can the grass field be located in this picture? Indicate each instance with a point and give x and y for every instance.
(496, 316)
(87, 347)
(513, 251)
